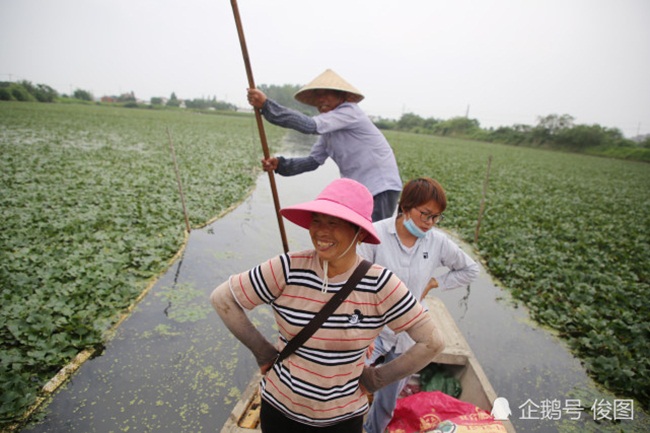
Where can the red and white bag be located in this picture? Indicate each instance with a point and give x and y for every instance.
(434, 411)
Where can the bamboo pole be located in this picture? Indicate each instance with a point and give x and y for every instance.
(260, 124)
(482, 208)
(178, 180)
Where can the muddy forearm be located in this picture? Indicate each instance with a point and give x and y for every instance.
(236, 320)
(428, 343)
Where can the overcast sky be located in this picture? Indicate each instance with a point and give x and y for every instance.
(503, 62)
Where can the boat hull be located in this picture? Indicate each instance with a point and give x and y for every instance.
(457, 357)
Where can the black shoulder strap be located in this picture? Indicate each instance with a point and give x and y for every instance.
(326, 311)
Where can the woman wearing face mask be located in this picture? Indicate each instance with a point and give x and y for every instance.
(322, 386)
(413, 249)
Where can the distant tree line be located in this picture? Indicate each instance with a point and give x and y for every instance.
(196, 103)
(552, 131)
(26, 91)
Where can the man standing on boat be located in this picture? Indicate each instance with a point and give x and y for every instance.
(346, 134)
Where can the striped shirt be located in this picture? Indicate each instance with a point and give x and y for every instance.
(319, 383)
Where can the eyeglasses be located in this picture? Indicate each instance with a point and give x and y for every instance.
(426, 217)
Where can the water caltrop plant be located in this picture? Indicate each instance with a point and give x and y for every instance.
(90, 212)
(567, 234)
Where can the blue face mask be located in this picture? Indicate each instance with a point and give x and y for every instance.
(413, 229)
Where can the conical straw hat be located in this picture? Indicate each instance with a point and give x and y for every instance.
(327, 80)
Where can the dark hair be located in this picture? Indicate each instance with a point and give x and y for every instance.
(422, 190)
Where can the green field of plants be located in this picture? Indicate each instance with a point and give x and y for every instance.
(567, 234)
(91, 212)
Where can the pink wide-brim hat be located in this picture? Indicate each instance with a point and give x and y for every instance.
(343, 198)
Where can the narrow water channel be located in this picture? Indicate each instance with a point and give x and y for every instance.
(172, 366)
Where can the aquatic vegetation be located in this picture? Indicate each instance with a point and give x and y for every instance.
(185, 303)
(91, 212)
(568, 235)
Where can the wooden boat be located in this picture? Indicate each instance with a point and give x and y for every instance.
(457, 357)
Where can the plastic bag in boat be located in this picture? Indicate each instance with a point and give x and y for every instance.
(479, 422)
(426, 411)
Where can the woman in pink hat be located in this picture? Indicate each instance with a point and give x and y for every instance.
(346, 134)
(322, 386)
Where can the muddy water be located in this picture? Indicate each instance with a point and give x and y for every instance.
(172, 367)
